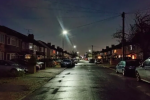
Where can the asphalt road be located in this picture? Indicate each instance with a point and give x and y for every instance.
(91, 82)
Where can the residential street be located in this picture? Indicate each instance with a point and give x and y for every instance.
(91, 82)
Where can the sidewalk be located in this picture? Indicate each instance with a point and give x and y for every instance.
(19, 87)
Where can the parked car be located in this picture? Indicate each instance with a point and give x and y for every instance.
(127, 67)
(98, 61)
(92, 61)
(39, 65)
(11, 68)
(58, 61)
(143, 71)
(67, 63)
(76, 61)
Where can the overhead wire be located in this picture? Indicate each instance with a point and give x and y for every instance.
(94, 22)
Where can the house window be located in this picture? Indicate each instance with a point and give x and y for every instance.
(11, 56)
(30, 46)
(35, 48)
(2, 38)
(115, 51)
(131, 48)
(1, 55)
(12, 41)
(8, 40)
(54, 51)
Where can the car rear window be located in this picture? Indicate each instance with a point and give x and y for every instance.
(66, 60)
(132, 63)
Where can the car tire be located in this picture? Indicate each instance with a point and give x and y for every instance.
(138, 78)
(117, 71)
(124, 73)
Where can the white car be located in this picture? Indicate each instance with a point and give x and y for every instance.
(143, 71)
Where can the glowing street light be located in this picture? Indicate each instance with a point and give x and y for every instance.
(89, 50)
(65, 32)
(74, 46)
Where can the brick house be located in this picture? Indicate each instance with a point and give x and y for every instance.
(16, 45)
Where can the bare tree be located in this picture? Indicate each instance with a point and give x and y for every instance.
(140, 33)
(118, 36)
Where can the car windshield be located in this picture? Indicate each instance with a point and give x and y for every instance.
(12, 63)
(66, 60)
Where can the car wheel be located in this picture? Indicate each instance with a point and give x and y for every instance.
(138, 78)
(117, 71)
(124, 73)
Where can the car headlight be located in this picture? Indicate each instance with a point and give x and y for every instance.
(19, 69)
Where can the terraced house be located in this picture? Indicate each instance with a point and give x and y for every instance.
(16, 45)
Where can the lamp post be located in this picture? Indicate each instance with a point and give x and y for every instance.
(64, 33)
(74, 46)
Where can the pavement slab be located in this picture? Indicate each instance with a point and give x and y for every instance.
(19, 87)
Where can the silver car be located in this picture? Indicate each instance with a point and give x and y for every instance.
(9, 67)
(143, 71)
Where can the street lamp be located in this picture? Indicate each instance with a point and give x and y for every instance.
(64, 33)
(74, 46)
(89, 50)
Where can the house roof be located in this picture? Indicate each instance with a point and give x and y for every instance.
(12, 32)
(21, 36)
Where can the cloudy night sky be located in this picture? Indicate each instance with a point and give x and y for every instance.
(88, 22)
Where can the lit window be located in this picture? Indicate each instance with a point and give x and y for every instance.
(129, 55)
(133, 57)
(54, 51)
(27, 56)
(119, 56)
(131, 47)
(30, 47)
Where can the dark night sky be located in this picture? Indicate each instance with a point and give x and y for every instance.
(47, 18)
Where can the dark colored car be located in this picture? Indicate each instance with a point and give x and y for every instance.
(127, 67)
(67, 63)
(11, 68)
(92, 61)
(98, 61)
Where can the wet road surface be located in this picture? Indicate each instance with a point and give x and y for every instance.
(91, 82)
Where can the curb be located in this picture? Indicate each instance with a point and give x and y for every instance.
(41, 85)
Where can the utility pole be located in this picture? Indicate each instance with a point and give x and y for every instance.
(92, 51)
(123, 34)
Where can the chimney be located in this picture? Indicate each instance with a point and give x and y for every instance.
(49, 44)
(53, 46)
(107, 47)
(58, 48)
(31, 36)
(112, 45)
